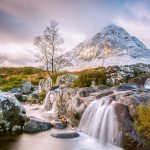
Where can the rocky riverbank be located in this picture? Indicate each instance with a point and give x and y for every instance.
(71, 103)
(64, 105)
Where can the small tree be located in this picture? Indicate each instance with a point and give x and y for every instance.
(49, 46)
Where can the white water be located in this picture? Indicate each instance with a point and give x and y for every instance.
(50, 103)
(147, 84)
(99, 121)
(43, 140)
(45, 85)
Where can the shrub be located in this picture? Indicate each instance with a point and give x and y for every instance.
(41, 96)
(142, 123)
(85, 79)
(28, 71)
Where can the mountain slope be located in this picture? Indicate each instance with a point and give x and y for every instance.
(112, 46)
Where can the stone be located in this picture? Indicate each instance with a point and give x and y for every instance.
(101, 93)
(16, 90)
(17, 129)
(128, 73)
(27, 87)
(12, 113)
(24, 97)
(33, 125)
(60, 124)
(33, 97)
(66, 79)
(65, 135)
(131, 139)
(128, 86)
(18, 96)
(54, 88)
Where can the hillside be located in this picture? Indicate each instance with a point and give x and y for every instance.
(12, 77)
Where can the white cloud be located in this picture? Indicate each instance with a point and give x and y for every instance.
(18, 55)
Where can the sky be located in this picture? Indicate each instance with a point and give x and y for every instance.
(22, 20)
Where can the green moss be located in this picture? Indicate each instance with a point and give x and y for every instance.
(142, 123)
(41, 96)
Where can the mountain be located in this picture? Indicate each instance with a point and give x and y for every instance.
(112, 46)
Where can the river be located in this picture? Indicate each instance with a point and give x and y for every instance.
(43, 140)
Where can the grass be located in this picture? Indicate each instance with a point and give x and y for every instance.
(12, 77)
(87, 76)
(142, 123)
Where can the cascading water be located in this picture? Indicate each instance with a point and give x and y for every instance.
(45, 85)
(147, 84)
(50, 102)
(100, 121)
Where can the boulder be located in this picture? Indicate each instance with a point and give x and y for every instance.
(66, 79)
(102, 93)
(33, 97)
(132, 99)
(65, 135)
(60, 123)
(16, 90)
(27, 87)
(131, 139)
(17, 129)
(128, 73)
(18, 96)
(128, 86)
(52, 88)
(12, 114)
(33, 125)
(24, 97)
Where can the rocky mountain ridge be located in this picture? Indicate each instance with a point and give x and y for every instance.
(112, 46)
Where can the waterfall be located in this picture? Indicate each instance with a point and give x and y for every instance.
(100, 121)
(50, 102)
(147, 84)
(45, 85)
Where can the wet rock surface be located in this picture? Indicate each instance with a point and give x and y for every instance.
(137, 73)
(33, 97)
(65, 135)
(128, 86)
(27, 87)
(66, 79)
(34, 125)
(12, 114)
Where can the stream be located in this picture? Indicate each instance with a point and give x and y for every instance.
(43, 140)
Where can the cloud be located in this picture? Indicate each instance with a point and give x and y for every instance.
(22, 20)
(18, 55)
(136, 21)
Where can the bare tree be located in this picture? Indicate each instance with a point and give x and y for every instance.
(49, 47)
(2, 59)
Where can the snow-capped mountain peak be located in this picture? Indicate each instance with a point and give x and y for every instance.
(112, 43)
